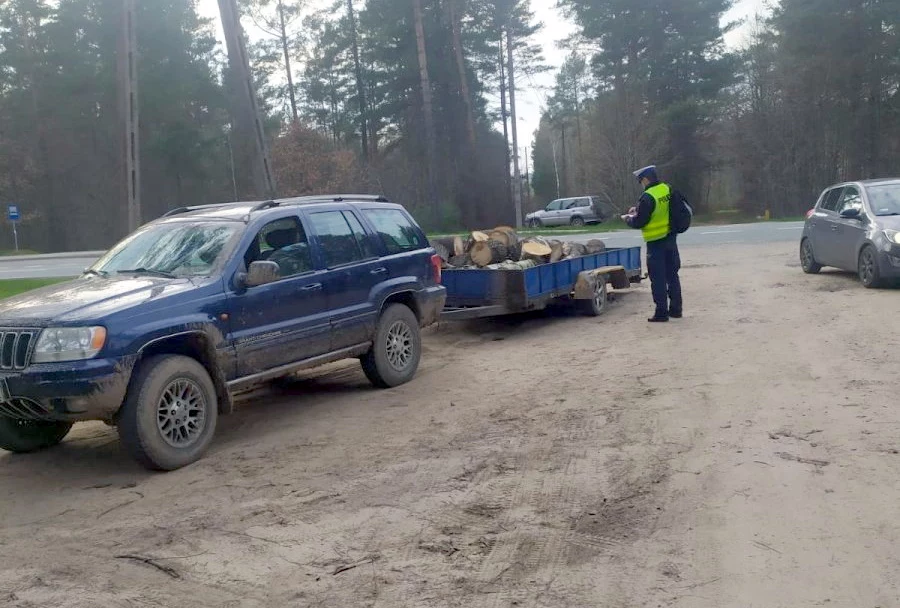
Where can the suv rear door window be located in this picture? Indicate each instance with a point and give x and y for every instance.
(362, 237)
(338, 242)
(395, 230)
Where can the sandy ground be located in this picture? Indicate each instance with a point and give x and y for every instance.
(746, 456)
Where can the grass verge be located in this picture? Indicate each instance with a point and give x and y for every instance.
(13, 287)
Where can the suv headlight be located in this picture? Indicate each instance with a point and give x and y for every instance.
(68, 344)
(893, 236)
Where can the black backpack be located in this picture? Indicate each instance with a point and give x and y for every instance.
(680, 213)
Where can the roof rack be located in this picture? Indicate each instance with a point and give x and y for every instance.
(182, 210)
(328, 198)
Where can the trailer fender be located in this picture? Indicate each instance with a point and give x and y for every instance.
(586, 285)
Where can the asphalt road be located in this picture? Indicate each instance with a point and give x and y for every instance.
(73, 264)
(764, 232)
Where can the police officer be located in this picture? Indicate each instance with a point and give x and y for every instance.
(663, 261)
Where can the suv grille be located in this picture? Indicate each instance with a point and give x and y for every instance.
(16, 346)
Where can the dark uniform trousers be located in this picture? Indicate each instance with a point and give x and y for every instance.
(663, 264)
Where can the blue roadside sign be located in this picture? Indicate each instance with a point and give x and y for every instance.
(12, 212)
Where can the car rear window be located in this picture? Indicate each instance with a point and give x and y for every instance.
(395, 230)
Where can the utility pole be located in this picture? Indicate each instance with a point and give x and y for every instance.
(238, 60)
(129, 114)
(517, 177)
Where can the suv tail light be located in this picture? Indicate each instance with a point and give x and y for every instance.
(809, 213)
(436, 263)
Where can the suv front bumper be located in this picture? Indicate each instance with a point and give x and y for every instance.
(78, 390)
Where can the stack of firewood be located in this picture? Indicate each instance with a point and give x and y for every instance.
(503, 249)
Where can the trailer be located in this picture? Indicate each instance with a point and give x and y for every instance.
(476, 293)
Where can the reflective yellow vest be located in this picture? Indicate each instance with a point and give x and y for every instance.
(658, 226)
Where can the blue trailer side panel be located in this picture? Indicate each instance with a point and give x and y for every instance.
(514, 288)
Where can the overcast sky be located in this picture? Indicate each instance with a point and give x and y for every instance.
(531, 93)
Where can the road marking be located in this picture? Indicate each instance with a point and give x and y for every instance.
(722, 232)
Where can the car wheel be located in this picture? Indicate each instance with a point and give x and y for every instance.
(170, 414)
(534, 223)
(807, 259)
(596, 306)
(868, 267)
(397, 349)
(577, 221)
(24, 436)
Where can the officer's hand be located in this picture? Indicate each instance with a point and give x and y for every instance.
(625, 218)
(632, 211)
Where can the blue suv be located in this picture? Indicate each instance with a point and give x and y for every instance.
(164, 329)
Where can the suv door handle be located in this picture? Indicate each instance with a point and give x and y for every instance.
(381, 270)
(313, 287)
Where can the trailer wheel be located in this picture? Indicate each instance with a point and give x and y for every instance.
(595, 306)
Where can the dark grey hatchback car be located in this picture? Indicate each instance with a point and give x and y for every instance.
(855, 226)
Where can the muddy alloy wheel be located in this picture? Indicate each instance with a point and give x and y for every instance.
(397, 349)
(24, 436)
(868, 268)
(170, 414)
(807, 259)
(596, 306)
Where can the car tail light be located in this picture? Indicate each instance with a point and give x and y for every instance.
(436, 264)
(809, 213)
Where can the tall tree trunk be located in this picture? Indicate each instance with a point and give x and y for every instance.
(427, 105)
(287, 60)
(517, 178)
(564, 162)
(454, 13)
(360, 86)
(503, 116)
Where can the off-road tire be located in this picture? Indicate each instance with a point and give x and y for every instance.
(24, 436)
(139, 429)
(397, 349)
(808, 259)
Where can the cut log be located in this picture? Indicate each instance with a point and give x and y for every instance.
(556, 250)
(596, 246)
(440, 248)
(514, 252)
(485, 253)
(460, 261)
(505, 235)
(573, 250)
(510, 265)
(475, 237)
(501, 236)
(535, 249)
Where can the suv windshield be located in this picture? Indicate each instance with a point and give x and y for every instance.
(884, 200)
(177, 249)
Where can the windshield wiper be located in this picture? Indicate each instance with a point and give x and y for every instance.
(150, 271)
(96, 273)
(887, 214)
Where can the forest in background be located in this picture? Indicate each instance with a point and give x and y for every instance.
(411, 98)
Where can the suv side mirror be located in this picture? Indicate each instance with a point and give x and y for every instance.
(851, 214)
(260, 273)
